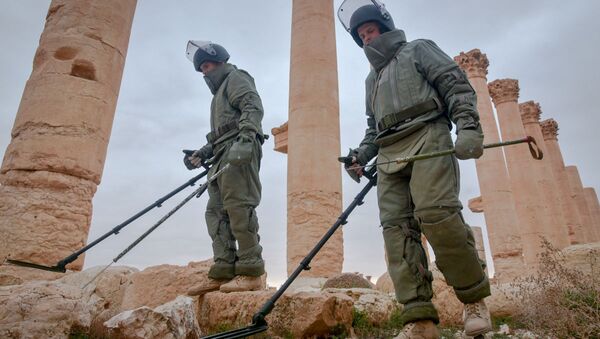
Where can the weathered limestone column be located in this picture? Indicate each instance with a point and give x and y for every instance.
(592, 201)
(553, 153)
(478, 235)
(532, 214)
(557, 231)
(314, 175)
(61, 131)
(497, 199)
(587, 232)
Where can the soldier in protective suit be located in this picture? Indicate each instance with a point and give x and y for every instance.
(414, 93)
(236, 137)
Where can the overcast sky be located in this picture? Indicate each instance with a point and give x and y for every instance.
(550, 46)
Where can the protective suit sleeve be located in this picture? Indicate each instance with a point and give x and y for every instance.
(368, 149)
(451, 83)
(242, 95)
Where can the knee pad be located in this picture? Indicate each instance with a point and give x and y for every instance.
(434, 215)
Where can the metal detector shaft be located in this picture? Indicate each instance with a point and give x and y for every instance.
(61, 265)
(196, 193)
(533, 148)
(259, 323)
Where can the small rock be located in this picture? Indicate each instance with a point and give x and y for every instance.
(348, 280)
(173, 320)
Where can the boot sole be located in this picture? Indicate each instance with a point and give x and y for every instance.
(479, 334)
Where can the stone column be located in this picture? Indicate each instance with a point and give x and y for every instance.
(557, 230)
(496, 195)
(592, 201)
(478, 235)
(532, 214)
(61, 131)
(553, 153)
(587, 232)
(314, 175)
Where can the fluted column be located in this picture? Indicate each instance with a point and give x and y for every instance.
(587, 232)
(532, 214)
(556, 231)
(314, 175)
(55, 159)
(554, 154)
(496, 195)
(592, 201)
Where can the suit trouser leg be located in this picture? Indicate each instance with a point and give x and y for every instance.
(219, 230)
(241, 191)
(434, 187)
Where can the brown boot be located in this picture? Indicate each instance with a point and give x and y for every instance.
(205, 286)
(476, 318)
(244, 283)
(422, 329)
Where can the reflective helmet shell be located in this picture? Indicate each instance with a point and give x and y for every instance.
(210, 52)
(366, 14)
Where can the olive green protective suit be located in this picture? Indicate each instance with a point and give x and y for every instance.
(421, 196)
(235, 118)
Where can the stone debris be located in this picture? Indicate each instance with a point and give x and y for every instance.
(55, 309)
(300, 314)
(378, 306)
(173, 320)
(160, 284)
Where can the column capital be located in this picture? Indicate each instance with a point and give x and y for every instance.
(549, 129)
(473, 62)
(503, 90)
(530, 112)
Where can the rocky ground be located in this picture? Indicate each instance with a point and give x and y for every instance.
(124, 302)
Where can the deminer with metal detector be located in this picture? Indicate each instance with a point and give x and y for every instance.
(235, 138)
(414, 93)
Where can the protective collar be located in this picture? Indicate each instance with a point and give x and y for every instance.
(215, 78)
(383, 48)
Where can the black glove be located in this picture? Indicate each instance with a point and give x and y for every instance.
(349, 161)
(240, 152)
(195, 159)
(469, 143)
(186, 159)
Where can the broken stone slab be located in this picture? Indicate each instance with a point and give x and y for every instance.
(583, 256)
(54, 309)
(298, 314)
(15, 275)
(377, 305)
(173, 320)
(306, 284)
(157, 285)
(42, 309)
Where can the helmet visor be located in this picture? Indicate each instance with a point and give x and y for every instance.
(194, 45)
(348, 7)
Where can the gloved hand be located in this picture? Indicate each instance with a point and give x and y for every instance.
(194, 159)
(352, 166)
(240, 152)
(469, 143)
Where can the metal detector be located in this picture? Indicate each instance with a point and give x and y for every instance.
(61, 265)
(259, 324)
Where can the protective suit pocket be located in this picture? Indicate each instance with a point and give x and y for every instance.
(406, 147)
